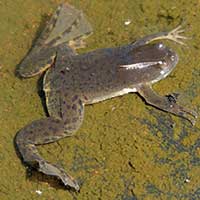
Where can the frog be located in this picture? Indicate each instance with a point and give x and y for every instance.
(73, 80)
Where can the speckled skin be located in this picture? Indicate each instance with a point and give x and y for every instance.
(72, 81)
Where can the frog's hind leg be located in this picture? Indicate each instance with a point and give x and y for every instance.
(39, 60)
(48, 130)
(67, 28)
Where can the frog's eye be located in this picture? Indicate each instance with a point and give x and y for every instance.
(160, 46)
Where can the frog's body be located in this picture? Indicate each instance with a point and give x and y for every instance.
(72, 81)
(100, 73)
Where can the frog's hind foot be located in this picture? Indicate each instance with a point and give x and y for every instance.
(66, 25)
(32, 158)
(63, 34)
(57, 171)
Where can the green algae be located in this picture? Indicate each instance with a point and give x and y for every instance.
(125, 149)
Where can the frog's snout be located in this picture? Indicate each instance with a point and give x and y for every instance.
(172, 57)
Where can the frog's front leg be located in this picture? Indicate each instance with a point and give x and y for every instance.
(171, 35)
(49, 130)
(165, 103)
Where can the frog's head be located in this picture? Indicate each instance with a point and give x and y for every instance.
(149, 63)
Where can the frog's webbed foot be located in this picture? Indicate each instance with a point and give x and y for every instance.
(53, 170)
(173, 35)
(166, 103)
(77, 44)
(67, 26)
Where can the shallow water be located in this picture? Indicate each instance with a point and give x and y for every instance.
(125, 150)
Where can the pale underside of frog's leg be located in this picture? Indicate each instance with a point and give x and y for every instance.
(39, 60)
(49, 130)
(66, 30)
(166, 103)
(173, 35)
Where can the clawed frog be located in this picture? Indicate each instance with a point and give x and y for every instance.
(72, 81)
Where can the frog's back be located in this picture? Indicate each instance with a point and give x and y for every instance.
(91, 72)
(101, 74)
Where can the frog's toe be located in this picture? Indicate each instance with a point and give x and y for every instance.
(175, 36)
(179, 29)
(190, 115)
(173, 99)
(193, 115)
(53, 170)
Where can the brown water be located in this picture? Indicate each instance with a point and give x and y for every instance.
(125, 150)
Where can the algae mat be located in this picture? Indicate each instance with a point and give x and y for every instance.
(125, 150)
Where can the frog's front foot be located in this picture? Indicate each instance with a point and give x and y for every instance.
(173, 107)
(166, 103)
(192, 115)
(175, 36)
